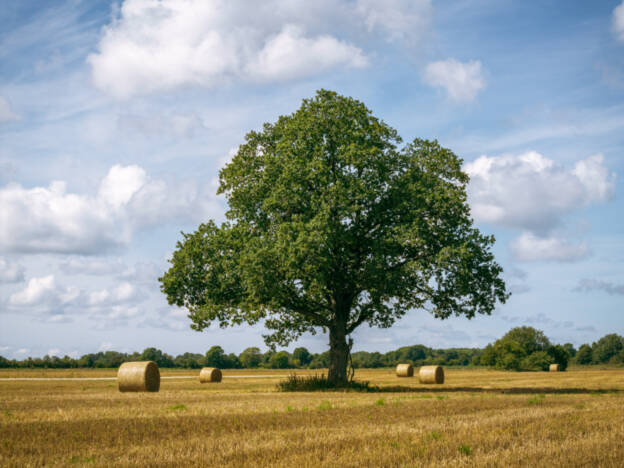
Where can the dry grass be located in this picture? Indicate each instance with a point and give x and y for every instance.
(477, 418)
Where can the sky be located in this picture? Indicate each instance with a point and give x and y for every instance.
(115, 118)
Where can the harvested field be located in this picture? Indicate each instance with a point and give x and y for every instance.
(476, 418)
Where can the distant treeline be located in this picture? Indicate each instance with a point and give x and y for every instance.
(522, 348)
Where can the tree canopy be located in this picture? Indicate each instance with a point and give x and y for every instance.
(524, 348)
(333, 223)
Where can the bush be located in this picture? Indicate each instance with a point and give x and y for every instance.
(311, 383)
(537, 361)
(560, 356)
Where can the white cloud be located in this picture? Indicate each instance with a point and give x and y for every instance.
(290, 55)
(45, 298)
(155, 46)
(462, 81)
(10, 272)
(529, 247)
(6, 113)
(532, 192)
(399, 20)
(43, 291)
(47, 219)
(121, 183)
(22, 351)
(54, 352)
(618, 21)
(124, 292)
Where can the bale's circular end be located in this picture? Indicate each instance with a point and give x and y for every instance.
(431, 375)
(210, 374)
(555, 368)
(141, 376)
(405, 370)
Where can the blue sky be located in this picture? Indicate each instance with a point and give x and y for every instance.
(115, 118)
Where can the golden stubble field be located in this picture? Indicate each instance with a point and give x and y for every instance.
(477, 418)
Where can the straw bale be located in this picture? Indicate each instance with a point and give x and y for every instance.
(210, 374)
(555, 368)
(140, 376)
(404, 370)
(431, 374)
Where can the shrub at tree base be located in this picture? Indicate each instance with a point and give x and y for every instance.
(310, 383)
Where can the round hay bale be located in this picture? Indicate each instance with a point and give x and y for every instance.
(210, 374)
(405, 370)
(431, 374)
(141, 376)
(555, 368)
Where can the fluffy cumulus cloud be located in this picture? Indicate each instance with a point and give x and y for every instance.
(161, 45)
(533, 193)
(6, 112)
(461, 81)
(618, 21)
(49, 219)
(50, 300)
(44, 294)
(529, 247)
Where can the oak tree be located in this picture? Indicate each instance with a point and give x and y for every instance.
(334, 223)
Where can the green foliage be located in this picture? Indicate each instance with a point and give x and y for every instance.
(215, 357)
(250, 358)
(529, 339)
(504, 355)
(522, 348)
(569, 347)
(465, 449)
(320, 361)
(537, 361)
(179, 407)
(559, 355)
(332, 225)
(280, 360)
(584, 355)
(189, 361)
(156, 355)
(608, 349)
(301, 356)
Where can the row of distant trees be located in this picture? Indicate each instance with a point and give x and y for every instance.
(522, 348)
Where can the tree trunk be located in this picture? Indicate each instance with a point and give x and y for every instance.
(338, 355)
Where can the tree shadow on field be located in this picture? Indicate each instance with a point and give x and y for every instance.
(510, 390)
